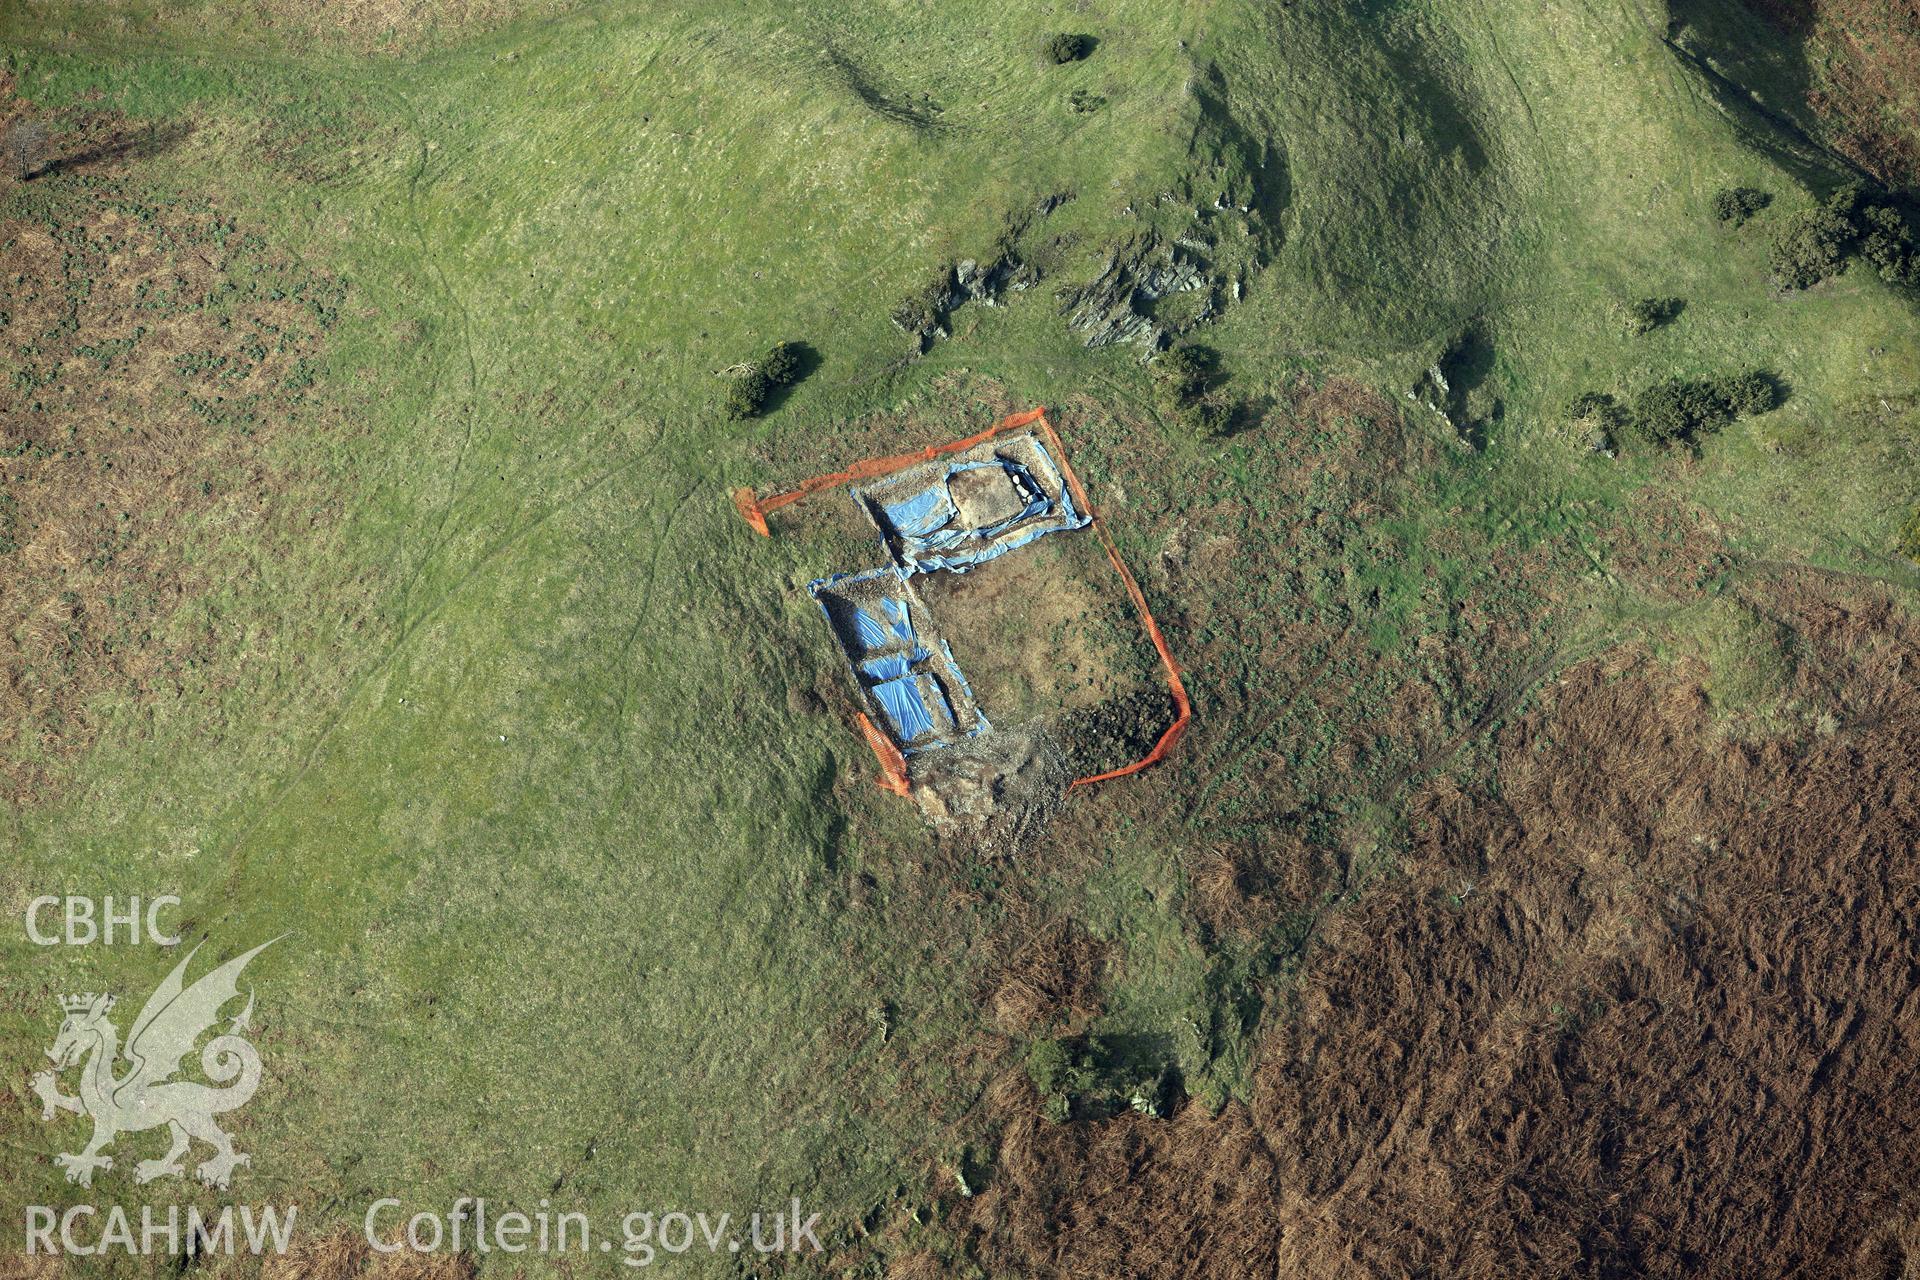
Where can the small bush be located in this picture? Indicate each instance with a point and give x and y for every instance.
(1068, 47)
(747, 394)
(1648, 314)
(782, 365)
(1736, 204)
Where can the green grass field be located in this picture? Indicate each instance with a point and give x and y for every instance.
(498, 731)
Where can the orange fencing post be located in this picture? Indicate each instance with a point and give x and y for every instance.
(750, 511)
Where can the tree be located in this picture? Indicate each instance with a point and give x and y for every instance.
(23, 142)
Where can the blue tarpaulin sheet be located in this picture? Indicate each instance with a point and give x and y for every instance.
(923, 513)
(896, 611)
(932, 535)
(901, 700)
(872, 634)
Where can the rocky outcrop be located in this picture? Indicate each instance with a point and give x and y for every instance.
(927, 316)
(1118, 306)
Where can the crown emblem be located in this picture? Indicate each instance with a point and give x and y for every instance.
(82, 1002)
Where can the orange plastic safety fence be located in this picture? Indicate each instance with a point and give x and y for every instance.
(1175, 684)
(755, 510)
(893, 764)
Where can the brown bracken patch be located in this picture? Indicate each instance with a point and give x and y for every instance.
(1052, 984)
(1865, 81)
(153, 346)
(1647, 1007)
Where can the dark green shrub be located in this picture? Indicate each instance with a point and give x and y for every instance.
(1736, 204)
(1048, 1064)
(782, 365)
(1812, 246)
(1816, 243)
(1648, 314)
(1679, 411)
(1200, 418)
(1748, 394)
(1887, 242)
(747, 394)
(1182, 371)
(1068, 47)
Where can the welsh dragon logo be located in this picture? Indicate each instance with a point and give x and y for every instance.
(145, 1095)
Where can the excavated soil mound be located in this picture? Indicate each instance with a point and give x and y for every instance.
(1653, 1008)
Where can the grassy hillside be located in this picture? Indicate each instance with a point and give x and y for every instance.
(505, 723)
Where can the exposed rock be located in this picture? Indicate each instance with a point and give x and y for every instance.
(927, 316)
(1117, 307)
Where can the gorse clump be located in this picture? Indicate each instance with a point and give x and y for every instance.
(1648, 314)
(1817, 243)
(1181, 374)
(747, 394)
(782, 364)
(1680, 410)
